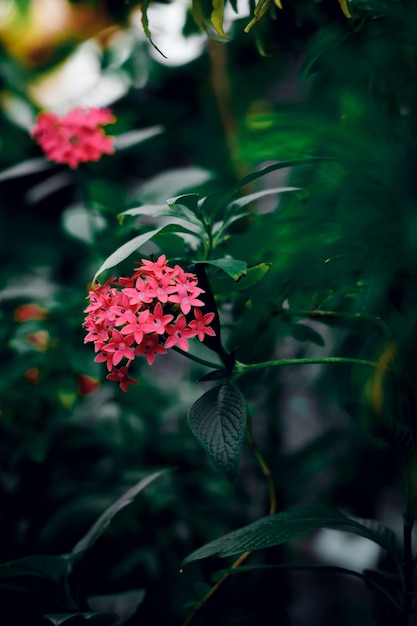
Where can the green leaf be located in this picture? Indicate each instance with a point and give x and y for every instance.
(74, 619)
(223, 284)
(170, 183)
(268, 169)
(145, 25)
(217, 18)
(301, 332)
(133, 137)
(218, 421)
(189, 200)
(104, 520)
(275, 530)
(53, 568)
(241, 202)
(176, 211)
(31, 166)
(233, 267)
(131, 246)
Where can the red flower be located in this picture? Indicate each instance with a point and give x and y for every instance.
(121, 376)
(26, 312)
(74, 138)
(179, 333)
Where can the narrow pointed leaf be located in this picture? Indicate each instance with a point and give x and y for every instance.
(131, 246)
(270, 168)
(218, 421)
(274, 530)
(241, 202)
(134, 137)
(31, 166)
(217, 18)
(104, 520)
(145, 25)
(74, 619)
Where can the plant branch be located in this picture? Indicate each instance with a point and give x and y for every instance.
(197, 359)
(244, 368)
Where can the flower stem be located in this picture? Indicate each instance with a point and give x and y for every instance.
(197, 359)
(243, 368)
(272, 509)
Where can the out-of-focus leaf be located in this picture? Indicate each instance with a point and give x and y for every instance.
(301, 332)
(104, 520)
(218, 421)
(123, 604)
(41, 565)
(31, 166)
(170, 183)
(134, 137)
(82, 224)
(241, 202)
(76, 619)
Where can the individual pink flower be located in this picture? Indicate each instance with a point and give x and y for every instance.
(121, 376)
(201, 324)
(158, 321)
(179, 333)
(76, 137)
(158, 268)
(150, 346)
(135, 325)
(186, 299)
(119, 347)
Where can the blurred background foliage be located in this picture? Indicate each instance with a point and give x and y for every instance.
(306, 81)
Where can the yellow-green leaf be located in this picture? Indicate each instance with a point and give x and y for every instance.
(345, 8)
(217, 18)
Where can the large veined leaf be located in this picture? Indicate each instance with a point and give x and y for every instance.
(104, 520)
(218, 421)
(274, 530)
(131, 246)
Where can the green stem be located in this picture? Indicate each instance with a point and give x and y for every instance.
(264, 467)
(244, 368)
(197, 359)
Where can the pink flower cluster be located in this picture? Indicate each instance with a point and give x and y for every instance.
(76, 137)
(156, 308)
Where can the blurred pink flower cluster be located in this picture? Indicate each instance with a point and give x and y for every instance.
(76, 137)
(156, 308)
